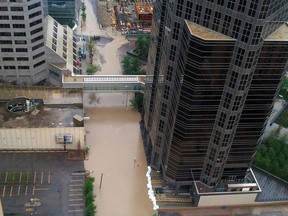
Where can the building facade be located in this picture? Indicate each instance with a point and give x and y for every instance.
(214, 68)
(34, 48)
(22, 47)
(63, 12)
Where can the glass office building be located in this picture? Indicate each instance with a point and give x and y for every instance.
(63, 12)
(214, 68)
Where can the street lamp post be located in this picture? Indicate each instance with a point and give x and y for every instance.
(126, 97)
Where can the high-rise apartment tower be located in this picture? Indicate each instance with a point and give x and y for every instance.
(214, 68)
(22, 49)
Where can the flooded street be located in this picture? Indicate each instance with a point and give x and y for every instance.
(113, 136)
(113, 133)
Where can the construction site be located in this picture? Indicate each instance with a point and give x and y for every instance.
(127, 17)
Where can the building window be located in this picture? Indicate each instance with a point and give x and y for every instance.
(18, 25)
(166, 92)
(233, 79)
(176, 31)
(208, 169)
(236, 27)
(216, 21)
(36, 30)
(212, 154)
(257, 35)
(4, 25)
(227, 100)
(38, 55)
(9, 67)
(17, 17)
(39, 63)
(243, 82)
(22, 59)
(37, 46)
(4, 17)
(236, 103)
(250, 59)
(222, 119)
(242, 5)
(37, 38)
(217, 137)
(239, 57)
(5, 34)
(172, 53)
(16, 8)
(252, 9)
(21, 50)
(19, 34)
(54, 75)
(23, 67)
(20, 42)
(246, 32)
(226, 24)
(179, 8)
(158, 141)
(35, 22)
(161, 126)
(216, 172)
(5, 42)
(6, 49)
(197, 13)
(35, 14)
(225, 140)
(231, 122)
(163, 109)
(169, 73)
(38, 4)
(220, 2)
(188, 12)
(207, 17)
(3, 8)
(8, 58)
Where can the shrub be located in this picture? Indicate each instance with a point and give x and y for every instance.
(90, 210)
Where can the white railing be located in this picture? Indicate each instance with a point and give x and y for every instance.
(113, 79)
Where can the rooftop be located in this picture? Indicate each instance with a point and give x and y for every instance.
(51, 116)
(205, 33)
(50, 95)
(281, 34)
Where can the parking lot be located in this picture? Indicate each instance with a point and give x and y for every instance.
(42, 184)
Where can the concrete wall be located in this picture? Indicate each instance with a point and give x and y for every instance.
(39, 138)
(227, 199)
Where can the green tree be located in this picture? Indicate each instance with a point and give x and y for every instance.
(137, 101)
(83, 7)
(91, 46)
(272, 156)
(83, 16)
(142, 46)
(132, 66)
(92, 69)
(283, 92)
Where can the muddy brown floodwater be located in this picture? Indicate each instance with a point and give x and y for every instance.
(114, 139)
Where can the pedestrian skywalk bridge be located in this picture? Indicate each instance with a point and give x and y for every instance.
(108, 83)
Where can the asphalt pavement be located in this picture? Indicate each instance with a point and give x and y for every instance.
(48, 179)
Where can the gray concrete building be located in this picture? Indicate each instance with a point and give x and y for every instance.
(22, 48)
(215, 67)
(34, 48)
